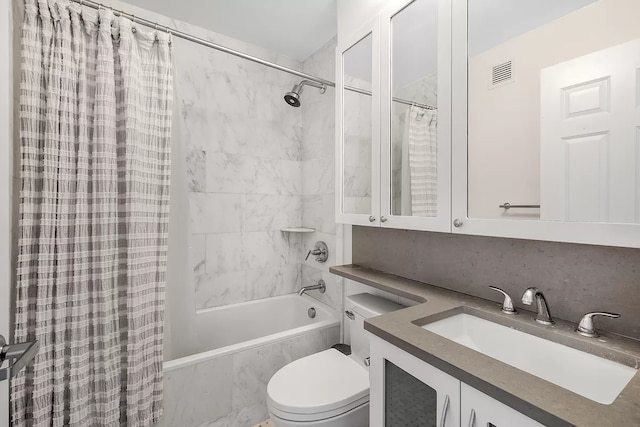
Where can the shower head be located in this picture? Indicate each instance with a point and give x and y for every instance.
(293, 98)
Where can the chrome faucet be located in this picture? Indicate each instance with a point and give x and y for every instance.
(543, 315)
(586, 327)
(507, 305)
(321, 286)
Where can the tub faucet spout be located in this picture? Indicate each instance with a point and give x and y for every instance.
(321, 286)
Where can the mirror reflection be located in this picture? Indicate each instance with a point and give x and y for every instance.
(414, 89)
(356, 128)
(554, 117)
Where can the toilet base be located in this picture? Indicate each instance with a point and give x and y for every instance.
(357, 417)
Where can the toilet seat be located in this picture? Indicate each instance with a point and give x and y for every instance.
(316, 387)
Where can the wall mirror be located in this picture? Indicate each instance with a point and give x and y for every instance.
(554, 111)
(414, 111)
(415, 115)
(357, 137)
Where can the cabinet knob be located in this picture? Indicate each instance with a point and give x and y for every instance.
(383, 219)
(457, 223)
(372, 218)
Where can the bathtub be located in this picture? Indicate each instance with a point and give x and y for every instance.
(240, 346)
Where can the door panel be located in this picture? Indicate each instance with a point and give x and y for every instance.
(480, 410)
(589, 123)
(415, 111)
(436, 393)
(357, 131)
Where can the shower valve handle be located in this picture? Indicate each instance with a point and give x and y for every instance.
(313, 252)
(320, 250)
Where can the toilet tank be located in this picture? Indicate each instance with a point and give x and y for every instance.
(363, 306)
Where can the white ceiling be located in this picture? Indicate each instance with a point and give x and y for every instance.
(295, 28)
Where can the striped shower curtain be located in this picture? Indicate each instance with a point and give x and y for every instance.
(95, 125)
(420, 163)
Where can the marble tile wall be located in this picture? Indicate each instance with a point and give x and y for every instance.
(244, 172)
(243, 148)
(230, 390)
(318, 177)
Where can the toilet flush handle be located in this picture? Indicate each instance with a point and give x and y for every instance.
(367, 361)
(350, 314)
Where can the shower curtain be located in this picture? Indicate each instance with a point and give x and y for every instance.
(419, 193)
(95, 126)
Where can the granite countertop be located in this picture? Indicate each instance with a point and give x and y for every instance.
(538, 399)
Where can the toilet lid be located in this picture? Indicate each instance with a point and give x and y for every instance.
(324, 384)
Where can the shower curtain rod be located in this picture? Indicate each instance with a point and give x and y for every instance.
(203, 42)
(394, 99)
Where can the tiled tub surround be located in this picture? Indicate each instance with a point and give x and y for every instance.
(575, 279)
(244, 169)
(543, 401)
(318, 175)
(224, 384)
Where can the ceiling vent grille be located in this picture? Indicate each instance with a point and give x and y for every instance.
(501, 74)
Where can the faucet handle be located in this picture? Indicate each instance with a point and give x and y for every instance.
(320, 250)
(507, 304)
(586, 328)
(308, 254)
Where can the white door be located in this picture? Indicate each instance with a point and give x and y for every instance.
(590, 120)
(5, 189)
(480, 410)
(405, 390)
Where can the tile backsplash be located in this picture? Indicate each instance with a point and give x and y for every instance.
(575, 279)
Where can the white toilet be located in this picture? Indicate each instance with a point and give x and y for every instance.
(329, 389)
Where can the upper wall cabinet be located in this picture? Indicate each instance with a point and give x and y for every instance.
(546, 120)
(393, 154)
(497, 118)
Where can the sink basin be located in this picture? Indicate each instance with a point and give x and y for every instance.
(590, 376)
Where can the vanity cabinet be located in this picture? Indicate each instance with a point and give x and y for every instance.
(406, 391)
(393, 115)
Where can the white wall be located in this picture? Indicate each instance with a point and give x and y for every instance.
(504, 123)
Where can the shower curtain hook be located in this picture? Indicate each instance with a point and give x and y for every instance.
(168, 34)
(133, 19)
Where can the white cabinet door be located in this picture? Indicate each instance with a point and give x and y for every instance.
(590, 129)
(406, 391)
(415, 115)
(358, 127)
(480, 410)
(393, 119)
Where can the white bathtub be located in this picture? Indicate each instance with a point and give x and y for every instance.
(240, 347)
